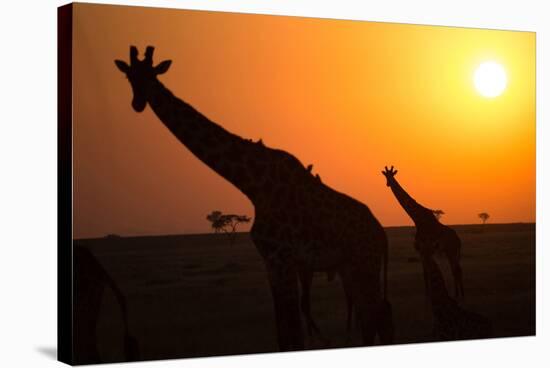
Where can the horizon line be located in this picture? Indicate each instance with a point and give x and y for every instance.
(247, 232)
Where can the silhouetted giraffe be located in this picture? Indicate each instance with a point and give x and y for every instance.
(451, 322)
(431, 235)
(90, 282)
(300, 223)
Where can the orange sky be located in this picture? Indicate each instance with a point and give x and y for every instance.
(347, 96)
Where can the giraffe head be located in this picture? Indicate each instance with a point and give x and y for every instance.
(389, 174)
(142, 75)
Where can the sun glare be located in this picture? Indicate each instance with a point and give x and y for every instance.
(490, 79)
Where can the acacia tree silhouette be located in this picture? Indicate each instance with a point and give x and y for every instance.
(438, 214)
(484, 216)
(227, 223)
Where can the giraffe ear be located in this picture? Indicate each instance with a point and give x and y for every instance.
(122, 66)
(163, 67)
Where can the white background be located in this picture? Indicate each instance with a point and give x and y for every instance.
(28, 182)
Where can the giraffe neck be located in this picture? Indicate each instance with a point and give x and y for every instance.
(227, 154)
(418, 213)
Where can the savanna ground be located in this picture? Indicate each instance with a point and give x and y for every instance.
(195, 295)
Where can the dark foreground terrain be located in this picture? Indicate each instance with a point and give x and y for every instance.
(195, 295)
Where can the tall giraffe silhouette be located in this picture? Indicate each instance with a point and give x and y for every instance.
(450, 321)
(431, 235)
(300, 223)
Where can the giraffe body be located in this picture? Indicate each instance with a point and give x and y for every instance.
(300, 223)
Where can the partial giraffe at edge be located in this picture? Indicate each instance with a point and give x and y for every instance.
(91, 280)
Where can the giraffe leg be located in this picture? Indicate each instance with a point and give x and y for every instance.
(349, 323)
(452, 247)
(456, 269)
(366, 298)
(366, 313)
(306, 278)
(385, 323)
(345, 278)
(452, 251)
(423, 251)
(284, 288)
(427, 295)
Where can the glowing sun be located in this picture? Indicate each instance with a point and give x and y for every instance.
(490, 79)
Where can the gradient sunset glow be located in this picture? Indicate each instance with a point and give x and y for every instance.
(346, 96)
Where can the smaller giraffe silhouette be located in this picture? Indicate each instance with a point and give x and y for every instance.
(431, 235)
(90, 282)
(451, 322)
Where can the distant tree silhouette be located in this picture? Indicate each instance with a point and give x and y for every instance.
(226, 223)
(484, 216)
(216, 221)
(438, 213)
